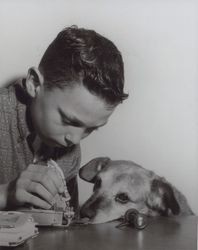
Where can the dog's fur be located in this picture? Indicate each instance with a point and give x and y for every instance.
(122, 185)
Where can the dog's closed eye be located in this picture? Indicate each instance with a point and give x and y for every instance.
(122, 198)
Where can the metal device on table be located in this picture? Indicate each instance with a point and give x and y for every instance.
(16, 228)
(134, 219)
(61, 214)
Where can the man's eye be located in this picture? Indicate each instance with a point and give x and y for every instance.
(65, 122)
(122, 198)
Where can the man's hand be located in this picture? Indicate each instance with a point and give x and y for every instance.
(37, 185)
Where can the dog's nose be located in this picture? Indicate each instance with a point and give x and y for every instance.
(87, 213)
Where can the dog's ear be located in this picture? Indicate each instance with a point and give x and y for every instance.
(89, 171)
(162, 198)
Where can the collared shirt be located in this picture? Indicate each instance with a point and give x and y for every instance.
(17, 137)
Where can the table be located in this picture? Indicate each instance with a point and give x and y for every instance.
(176, 233)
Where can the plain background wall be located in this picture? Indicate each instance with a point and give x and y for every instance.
(157, 126)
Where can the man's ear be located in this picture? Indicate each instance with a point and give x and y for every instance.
(34, 81)
(162, 198)
(89, 171)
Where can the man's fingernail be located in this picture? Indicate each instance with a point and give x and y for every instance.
(48, 206)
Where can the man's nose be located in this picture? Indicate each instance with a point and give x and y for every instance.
(68, 142)
(74, 137)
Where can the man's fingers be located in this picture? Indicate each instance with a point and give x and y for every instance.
(38, 189)
(57, 180)
(38, 185)
(25, 197)
(44, 175)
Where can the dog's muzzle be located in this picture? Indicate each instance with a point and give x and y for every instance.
(86, 212)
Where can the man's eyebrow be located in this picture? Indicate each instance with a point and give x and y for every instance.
(75, 121)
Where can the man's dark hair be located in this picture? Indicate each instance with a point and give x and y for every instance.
(84, 56)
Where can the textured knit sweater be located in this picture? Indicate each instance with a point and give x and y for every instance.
(17, 137)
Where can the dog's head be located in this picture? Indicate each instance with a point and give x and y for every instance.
(122, 185)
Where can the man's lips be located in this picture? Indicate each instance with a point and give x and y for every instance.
(59, 144)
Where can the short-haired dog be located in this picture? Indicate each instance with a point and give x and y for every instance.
(121, 185)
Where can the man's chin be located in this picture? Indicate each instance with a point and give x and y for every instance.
(52, 143)
(61, 146)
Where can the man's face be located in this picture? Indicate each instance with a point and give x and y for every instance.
(62, 117)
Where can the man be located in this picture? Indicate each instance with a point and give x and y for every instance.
(74, 91)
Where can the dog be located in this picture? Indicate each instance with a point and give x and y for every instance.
(122, 185)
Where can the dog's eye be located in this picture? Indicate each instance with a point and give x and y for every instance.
(97, 184)
(122, 198)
